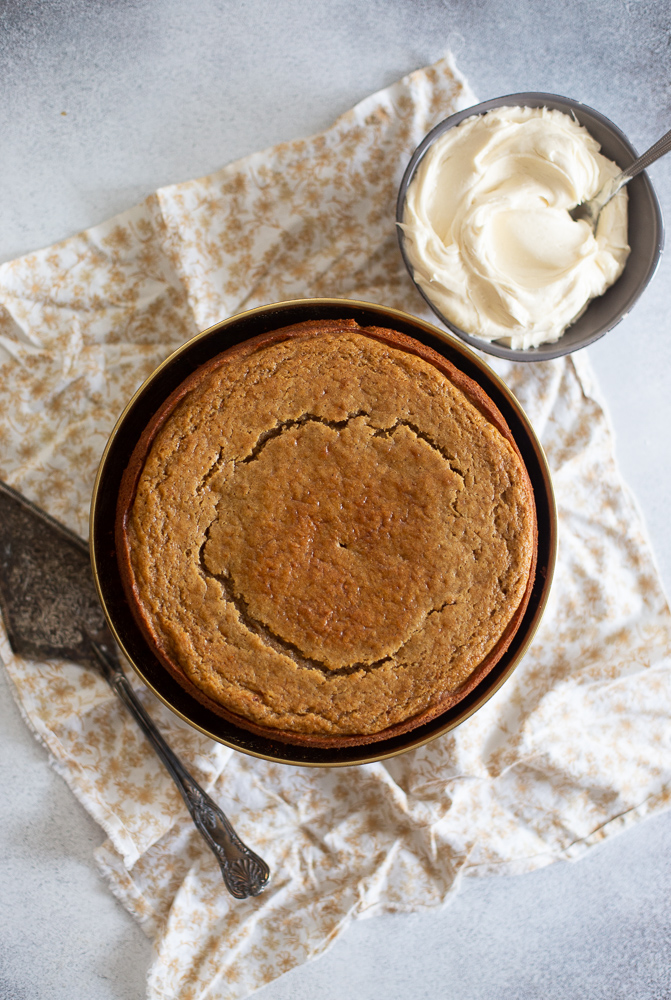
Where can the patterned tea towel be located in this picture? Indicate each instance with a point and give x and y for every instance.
(573, 748)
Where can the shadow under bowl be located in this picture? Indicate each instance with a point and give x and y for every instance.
(646, 229)
(147, 401)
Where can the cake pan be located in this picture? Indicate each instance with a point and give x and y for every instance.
(646, 229)
(149, 398)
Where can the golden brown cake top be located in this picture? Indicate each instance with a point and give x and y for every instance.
(327, 536)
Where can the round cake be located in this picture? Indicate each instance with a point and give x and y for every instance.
(327, 534)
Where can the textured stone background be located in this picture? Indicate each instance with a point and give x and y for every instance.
(161, 91)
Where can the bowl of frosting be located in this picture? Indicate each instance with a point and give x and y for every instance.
(485, 231)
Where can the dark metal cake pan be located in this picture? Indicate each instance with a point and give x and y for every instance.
(147, 401)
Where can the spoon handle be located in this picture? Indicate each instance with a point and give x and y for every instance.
(589, 211)
(244, 872)
(661, 147)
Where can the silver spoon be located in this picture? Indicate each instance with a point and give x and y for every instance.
(589, 211)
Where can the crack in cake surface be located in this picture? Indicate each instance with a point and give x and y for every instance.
(356, 500)
(276, 642)
(450, 459)
(268, 435)
(284, 425)
(279, 644)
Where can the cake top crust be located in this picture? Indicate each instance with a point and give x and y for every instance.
(327, 530)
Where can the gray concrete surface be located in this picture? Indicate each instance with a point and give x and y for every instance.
(161, 91)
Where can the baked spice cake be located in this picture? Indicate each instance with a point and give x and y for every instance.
(327, 534)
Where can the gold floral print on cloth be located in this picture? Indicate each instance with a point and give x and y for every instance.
(572, 748)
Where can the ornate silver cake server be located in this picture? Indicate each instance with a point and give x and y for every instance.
(50, 609)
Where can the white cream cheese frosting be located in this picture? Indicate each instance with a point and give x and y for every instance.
(487, 228)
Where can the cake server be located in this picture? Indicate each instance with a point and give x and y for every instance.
(51, 610)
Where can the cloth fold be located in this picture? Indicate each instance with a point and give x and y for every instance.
(572, 748)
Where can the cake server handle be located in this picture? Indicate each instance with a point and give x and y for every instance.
(245, 873)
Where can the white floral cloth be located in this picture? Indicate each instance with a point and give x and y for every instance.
(574, 747)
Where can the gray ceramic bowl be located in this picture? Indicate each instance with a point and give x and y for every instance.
(646, 229)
